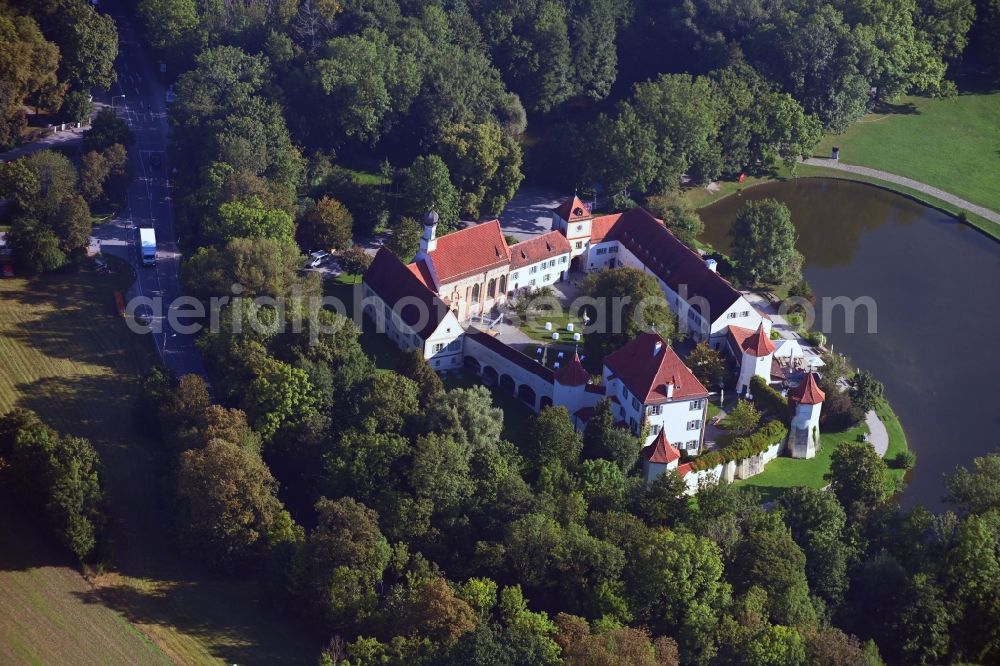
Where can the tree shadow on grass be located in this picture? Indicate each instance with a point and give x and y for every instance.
(896, 108)
(74, 318)
(204, 610)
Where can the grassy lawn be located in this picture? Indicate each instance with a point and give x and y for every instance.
(784, 473)
(951, 144)
(534, 326)
(897, 442)
(65, 353)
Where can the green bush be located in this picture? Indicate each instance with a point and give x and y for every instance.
(904, 460)
(768, 400)
(743, 447)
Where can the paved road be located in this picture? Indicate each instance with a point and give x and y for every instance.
(879, 436)
(827, 163)
(529, 213)
(144, 108)
(67, 137)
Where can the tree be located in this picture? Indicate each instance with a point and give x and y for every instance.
(603, 439)
(94, 171)
(413, 365)
(405, 239)
(638, 298)
(76, 107)
(554, 439)
(88, 43)
(764, 242)
(706, 364)
(278, 395)
(767, 557)
(427, 187)
(72, 223)
(743, 419)
(343, 560)
(677, 214)
(35, 246)
(355, 261)
(58, 478)
(484, 164)
(866, 391)
(624, 155)
(228, 511)
(170, 24)
(975, 491)
(249, 219)
(972, 578)
(371, 81)
(436, 613)
(582, 646)
(28, 65)
(857, 476)
(832, 647)
(107, 129)
(817, 521)
(327, 225)
(664, 502)
(675, 584)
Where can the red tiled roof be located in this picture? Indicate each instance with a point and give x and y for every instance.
(509, 353)
(672, 261)
(573, 209)
(661, 451)
(584, 413)
(645, 370)
(808, 392)
(419, 268)
(573, 373)
(392, 280)
(684, 469)
(468, 251)
(759, 344)
(533, 250)
(600, 226)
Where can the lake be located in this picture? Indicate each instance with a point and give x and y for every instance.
(935, 283)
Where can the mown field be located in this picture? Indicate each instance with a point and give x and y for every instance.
(66, 354)
(952, 143)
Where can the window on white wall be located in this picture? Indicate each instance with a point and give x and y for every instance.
(697, 404)
(613, 249)
(562, 259)
(694, 425)
(437, 347)
(655, 429)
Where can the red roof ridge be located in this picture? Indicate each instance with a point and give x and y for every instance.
(808, 392)
(474, 249)
(573, 373)
(573, 209)
(759, 344)
(661, 450)
(645, 369)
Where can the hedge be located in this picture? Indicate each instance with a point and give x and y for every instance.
(743, 447)
(768, 400)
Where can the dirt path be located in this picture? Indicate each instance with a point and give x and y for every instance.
(827, 163)
(879, 436)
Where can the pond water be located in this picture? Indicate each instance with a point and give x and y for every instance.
(934, 282)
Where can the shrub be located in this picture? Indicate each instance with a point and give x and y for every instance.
(904, 460)
(743, 447)
(768, 400)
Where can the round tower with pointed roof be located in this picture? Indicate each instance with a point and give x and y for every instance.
(807, 401)
(758, 352)
(569, 388)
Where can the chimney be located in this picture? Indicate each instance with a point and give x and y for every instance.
(712, 264)
(669, 390)
(428, 242)
(657, 347)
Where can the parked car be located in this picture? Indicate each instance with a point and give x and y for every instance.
(318, 258)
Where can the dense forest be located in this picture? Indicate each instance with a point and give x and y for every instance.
(398, 519)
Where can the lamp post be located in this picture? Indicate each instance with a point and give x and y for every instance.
(113, 100)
